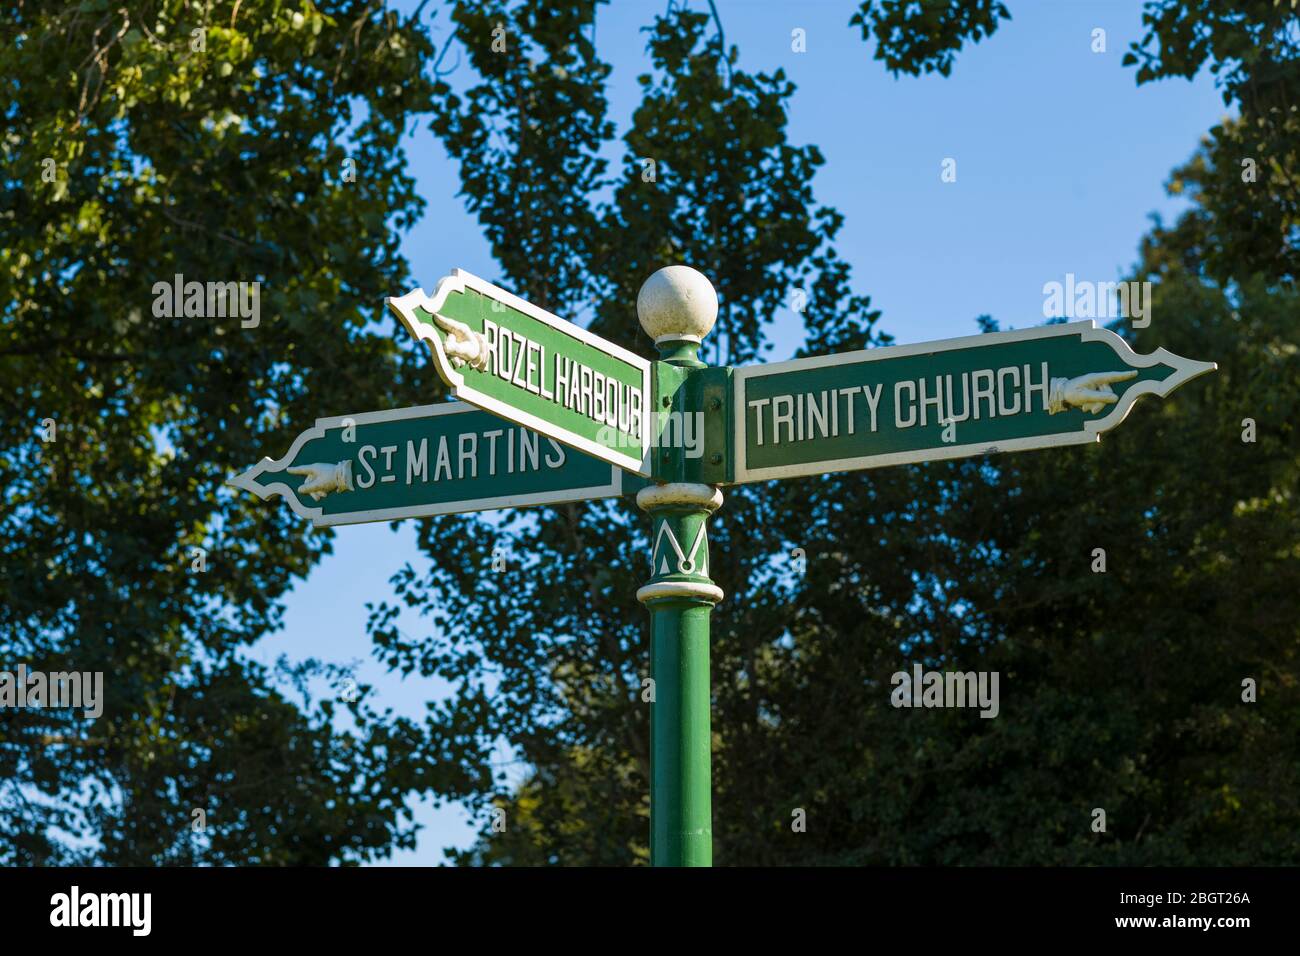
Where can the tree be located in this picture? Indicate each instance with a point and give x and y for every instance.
(247, 143)
(917, 38)
(1245, 178)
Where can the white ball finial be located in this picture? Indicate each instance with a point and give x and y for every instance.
(677, 304)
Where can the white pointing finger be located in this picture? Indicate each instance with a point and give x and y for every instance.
(1106, 378)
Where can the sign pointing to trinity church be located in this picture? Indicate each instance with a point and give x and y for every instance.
(426, 460)
(1004, 391)
(510, 357)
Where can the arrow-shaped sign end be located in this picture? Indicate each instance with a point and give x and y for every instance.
(248, 480)
(1185, 369)
(404, 308)
(407, 307)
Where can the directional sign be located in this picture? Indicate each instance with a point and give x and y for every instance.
(426, 460)
(556, 384)
(533, 368)
(1004, 391)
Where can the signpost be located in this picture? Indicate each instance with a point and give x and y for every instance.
(556, 384)
(1004, 391)
(533, 368)
(427, 460)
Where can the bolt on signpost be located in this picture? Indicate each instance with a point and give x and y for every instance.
(540, 383)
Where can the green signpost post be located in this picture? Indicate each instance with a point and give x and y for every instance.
(559, 385)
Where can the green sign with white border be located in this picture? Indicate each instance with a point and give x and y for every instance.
(510, 357)
(425, 460)
(1055, 385)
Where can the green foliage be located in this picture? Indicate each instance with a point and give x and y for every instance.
(1253, 48)
(136, 148)
(527, 138)
(731, 196)
(1120, 690)
(925, 37)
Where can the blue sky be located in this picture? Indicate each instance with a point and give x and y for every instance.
(1061, 159)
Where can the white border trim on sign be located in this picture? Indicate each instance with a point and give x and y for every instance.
(248, 481)
(459, 281)
(1184, 370)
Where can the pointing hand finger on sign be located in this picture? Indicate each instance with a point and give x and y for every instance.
(1095, 379)
(1092, 400)
(322, 478)
(1091, 392)
(464, 346)
(316, 485)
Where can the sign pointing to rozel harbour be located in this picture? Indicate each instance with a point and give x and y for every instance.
(1003, 391)
(511, 358)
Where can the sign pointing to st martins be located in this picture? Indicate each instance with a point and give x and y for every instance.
(533, 368)
(1003, 391)
(426, 460)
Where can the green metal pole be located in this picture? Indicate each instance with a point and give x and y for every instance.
(680, 597)
(677, 307)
